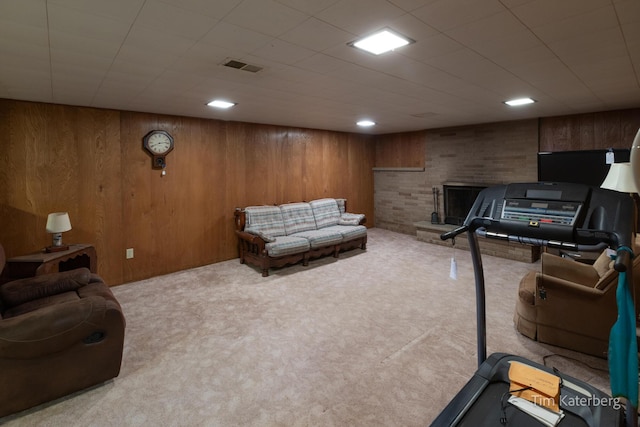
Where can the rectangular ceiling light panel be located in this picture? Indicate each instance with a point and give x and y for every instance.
(382, 41)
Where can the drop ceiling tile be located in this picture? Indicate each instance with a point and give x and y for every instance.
(594, 46)
(147, 43)
(628, 11)
(214, 9)
(283, 52)
(432, 46)
(24, 50)
(490, 30)
(514, 3)
(235, 38)
(541, 12)
(23, 34)
(412, 27)
(124, 11)
(578, 25)
(310, 7)
(24, 13)
(320, 63)
(82, 24)
(448, 14)
(26, 83)
(82, 47)
(411, 5)
(266, 17)
(360, 17)
(177, 82)
(316, 35)
(168, 19)
(201, 59)
(519, 58)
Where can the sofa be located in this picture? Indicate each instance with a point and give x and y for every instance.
(571, 304)
(275, 236)
(59, 333)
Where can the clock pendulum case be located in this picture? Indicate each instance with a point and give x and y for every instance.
(158, 143)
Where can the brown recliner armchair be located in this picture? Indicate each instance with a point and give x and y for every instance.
(571, 304)
(59, 333)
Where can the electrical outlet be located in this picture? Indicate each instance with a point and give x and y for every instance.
(129, 253)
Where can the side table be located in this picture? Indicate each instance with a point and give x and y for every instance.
(76, 256)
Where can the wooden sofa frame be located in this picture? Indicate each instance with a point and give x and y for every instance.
(251, 248)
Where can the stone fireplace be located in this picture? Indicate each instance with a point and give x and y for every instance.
(458, 199)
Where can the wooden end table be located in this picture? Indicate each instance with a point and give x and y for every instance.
(76, 256)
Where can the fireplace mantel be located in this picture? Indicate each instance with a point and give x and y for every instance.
(467, 184)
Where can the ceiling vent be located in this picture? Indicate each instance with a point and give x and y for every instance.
(232, 63)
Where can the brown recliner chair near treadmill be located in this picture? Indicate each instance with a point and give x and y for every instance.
(59, 333)
(571, 304)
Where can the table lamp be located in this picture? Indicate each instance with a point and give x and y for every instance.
(57, 223)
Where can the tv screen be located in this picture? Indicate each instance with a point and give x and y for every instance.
(581, 167)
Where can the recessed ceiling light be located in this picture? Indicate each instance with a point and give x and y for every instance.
(366, 123)
(381, 42)
(519, 101)
(218, 103)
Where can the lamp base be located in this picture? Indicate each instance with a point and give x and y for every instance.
(56, 248)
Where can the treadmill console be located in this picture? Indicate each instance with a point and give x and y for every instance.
(536, 212)
(559, 212)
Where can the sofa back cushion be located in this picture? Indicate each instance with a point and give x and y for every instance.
(297, 217)
(326, 212)
(266, 220)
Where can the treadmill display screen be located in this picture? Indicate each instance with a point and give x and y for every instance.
(541, 212)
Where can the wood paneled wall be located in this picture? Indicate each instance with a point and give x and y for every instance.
(608, 129)
(90, 162)
(401, 150)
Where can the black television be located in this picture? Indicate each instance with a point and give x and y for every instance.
(588, 167)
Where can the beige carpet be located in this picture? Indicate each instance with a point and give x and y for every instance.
(378, 337)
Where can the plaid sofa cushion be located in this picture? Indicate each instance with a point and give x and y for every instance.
(321, 238)
(342, 205)
(266, 220)
(349, 232)
(326, 212)
(286, 245)
(297, 217)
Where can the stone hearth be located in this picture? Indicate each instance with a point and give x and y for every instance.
(430, 233)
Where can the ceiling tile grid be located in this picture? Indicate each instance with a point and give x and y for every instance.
(167, 56)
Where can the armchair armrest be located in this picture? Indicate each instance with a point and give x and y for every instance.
(28, 289)
(552, 284)
(56, 327)
(569, 270)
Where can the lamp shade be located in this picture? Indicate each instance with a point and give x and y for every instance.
(58, 222)
(635, 159)
(620, 178)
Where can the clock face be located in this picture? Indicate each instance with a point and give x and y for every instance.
(159, 143)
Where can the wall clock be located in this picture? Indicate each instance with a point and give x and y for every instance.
(158, 143)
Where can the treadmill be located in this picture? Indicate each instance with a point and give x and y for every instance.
(557, 215)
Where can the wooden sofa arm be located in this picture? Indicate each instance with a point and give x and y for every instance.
(251, 238)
